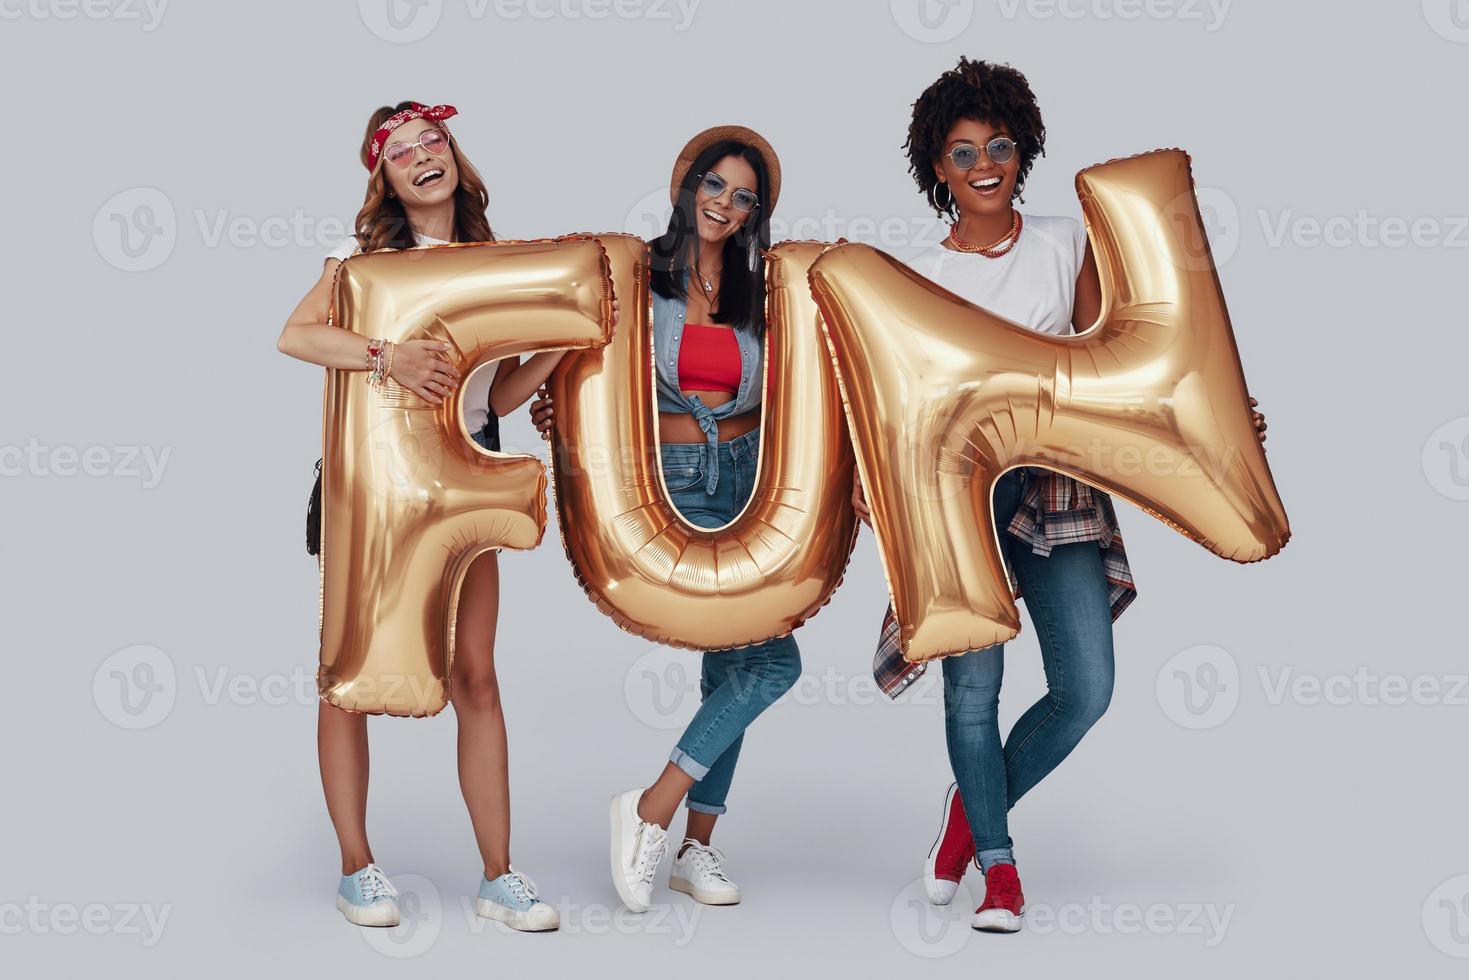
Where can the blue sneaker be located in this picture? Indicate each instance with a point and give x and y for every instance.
(511, 899)
(368, 898)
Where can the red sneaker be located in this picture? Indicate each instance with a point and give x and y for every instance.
(951, 852)
(1003, 901)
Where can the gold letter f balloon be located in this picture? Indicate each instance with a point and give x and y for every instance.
(1150, 404)
(408, 501)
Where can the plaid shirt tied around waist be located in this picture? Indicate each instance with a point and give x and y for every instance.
(1054, 510)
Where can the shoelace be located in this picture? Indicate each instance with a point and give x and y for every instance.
(708, 860)
(652, 843)
(1001, 890)
(375, 884)
(955, 860)
(956, 849)
(522, 889)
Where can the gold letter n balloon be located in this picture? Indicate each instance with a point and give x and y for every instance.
(408, 500)
(656, 575)
(1149, 404)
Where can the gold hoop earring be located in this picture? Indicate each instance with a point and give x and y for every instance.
(942, 196)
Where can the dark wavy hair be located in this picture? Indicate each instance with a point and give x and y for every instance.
(383, 223)
(988, 93)
(742, 284)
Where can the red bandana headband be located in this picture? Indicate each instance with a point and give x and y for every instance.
(436, 113)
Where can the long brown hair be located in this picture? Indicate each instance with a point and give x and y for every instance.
(383, 223)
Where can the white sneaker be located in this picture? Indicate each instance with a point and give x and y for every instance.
(637, 849)
(698, 871)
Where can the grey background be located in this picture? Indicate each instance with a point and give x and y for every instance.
(1329, 832)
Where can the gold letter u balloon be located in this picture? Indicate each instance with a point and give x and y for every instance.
(1149, 404)
(408, 501)
(656, 575)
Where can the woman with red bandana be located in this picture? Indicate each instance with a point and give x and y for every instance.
(423, 191)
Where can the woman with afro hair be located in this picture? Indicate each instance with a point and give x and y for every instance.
(974, 136)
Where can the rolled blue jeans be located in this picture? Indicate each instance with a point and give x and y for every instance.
(1066, 597)
(736, 685)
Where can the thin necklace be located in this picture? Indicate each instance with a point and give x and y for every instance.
(708, 283)
(994, 251)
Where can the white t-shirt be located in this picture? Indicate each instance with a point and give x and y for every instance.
(1033, 284)
(348, 246)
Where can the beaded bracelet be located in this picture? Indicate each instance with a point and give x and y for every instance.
(379, 361)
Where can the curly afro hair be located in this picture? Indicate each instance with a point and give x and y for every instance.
(993, 94)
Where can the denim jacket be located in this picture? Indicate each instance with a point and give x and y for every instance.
(668, 323)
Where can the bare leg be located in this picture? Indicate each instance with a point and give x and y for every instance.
(701, 826)
(341, 748)
(660, 801)
(484, 767)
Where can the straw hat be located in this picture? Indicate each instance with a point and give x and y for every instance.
(718, 134)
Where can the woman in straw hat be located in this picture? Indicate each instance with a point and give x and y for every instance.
(708, 286)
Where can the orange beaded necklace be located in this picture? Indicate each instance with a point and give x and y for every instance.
(994, 251)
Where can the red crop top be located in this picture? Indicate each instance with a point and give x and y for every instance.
(709, 359)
